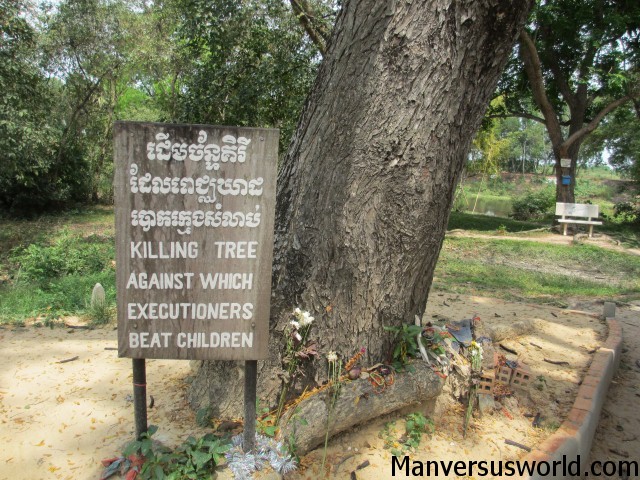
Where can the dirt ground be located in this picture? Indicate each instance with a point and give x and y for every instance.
(59, 419)
(618, 434)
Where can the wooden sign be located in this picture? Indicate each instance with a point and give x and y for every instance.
(194, 231)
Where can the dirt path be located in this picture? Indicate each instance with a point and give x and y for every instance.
(618, 434)
(59, 420)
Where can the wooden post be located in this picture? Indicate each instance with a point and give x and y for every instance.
(140, 396)
(250, 386)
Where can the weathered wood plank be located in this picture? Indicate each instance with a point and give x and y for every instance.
(194, 234)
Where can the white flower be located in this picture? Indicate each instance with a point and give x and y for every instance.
(306, 319)
(332, 357)
(295, 324)
(297, 312)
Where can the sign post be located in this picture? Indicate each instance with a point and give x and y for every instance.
(194, 232)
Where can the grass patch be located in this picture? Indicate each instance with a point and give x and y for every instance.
(49, 266)
(535, 271)
(484, 223)
(69, 295)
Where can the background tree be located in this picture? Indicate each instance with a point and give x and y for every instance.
(517, 145)
(249, 64)
(619, 136)
(576, 62)
(365, 190)
(30, 177)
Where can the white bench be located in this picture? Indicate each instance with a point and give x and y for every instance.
(579, 213)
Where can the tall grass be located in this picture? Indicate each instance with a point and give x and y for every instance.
(55, 278)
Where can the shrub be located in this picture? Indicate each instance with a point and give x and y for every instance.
(68, 255)
(533, 205)
(627, 212)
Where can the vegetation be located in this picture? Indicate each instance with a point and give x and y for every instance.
(69, 71)
(195, 458)
(48, 267)
(576, 62)
(416, 426)
(534, 271)
(533, 205)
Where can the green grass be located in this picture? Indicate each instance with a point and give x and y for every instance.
(484, 223)
(532, 271)
(49, 266)
(69, 295)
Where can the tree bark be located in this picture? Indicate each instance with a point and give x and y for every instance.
(365, 190)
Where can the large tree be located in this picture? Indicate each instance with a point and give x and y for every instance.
(365, 189)
(576, 62)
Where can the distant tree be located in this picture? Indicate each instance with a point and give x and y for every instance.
(619, 137)
(511, 144)
(576, 62)
(250, 64)
(31, 178)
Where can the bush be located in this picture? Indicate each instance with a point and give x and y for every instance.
(533, 205)
(627, 212)
(68, 255)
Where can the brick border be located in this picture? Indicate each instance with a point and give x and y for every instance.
(575, 435)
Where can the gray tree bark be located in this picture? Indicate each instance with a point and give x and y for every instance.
(365, 190)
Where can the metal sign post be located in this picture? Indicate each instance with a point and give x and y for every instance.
(250, 395)
(140, 396)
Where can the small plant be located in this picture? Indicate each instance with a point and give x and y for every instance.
(405, 345)
(416, 425)
(193, 459)
(502, 229)
(267, 423)
(291, 440)
(541, 382)
(334, 369)
(552, 425)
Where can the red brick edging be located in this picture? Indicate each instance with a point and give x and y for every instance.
(575, 435)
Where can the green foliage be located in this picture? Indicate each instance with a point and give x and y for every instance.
(628, 212)
(416, 426)
(67, 255)
(54, 275)
(100, 313)
(193, 459)
(483, 223)
(250, 64)
(533, 205)
(33, 175)
(405, 345)
(508, 144)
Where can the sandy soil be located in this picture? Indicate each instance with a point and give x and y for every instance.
(58, 420)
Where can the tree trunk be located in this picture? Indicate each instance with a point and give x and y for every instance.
(365, 190)
(566, 193)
